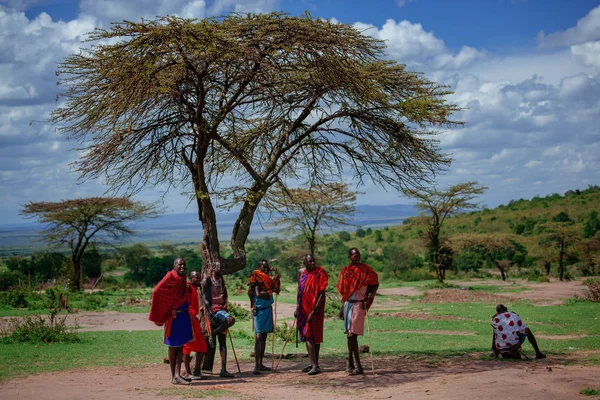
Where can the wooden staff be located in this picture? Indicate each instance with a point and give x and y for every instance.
(274, 330)
(234, 355)
(369, 336)
(286, 342)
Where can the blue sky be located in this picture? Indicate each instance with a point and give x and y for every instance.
(527, 73)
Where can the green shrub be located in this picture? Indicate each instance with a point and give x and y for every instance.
(589, 392)
(35, 329)
(14, 298)
(238, 312)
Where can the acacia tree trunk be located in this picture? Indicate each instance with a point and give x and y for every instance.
(439, 267)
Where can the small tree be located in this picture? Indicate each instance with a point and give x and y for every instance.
(76, 222)
(436, 205)
(561, 236)
(499, 249)
(313, 210)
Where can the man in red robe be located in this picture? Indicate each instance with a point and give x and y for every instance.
(198, 345)
(170, 308)
(310, 310)
(357, 284)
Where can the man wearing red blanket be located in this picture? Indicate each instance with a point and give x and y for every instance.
(357, 284)
(170, 308)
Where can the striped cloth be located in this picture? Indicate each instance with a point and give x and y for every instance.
(311, 283)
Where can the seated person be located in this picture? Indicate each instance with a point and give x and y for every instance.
(509, 334)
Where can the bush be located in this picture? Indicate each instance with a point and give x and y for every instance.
(592, 292)
(35, 329)
(238, 312)
(14, 298)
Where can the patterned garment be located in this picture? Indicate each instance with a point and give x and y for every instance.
(311, 283)
(354, 277)
(264, 281)
(168, 295)
(507, 328)
(198, 344)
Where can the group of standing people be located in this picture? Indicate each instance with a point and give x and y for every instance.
(193, 319)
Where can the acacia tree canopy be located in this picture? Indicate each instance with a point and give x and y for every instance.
(76, 222)
(249, 99)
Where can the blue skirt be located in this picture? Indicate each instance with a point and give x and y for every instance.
(181, 328)
(263, 318)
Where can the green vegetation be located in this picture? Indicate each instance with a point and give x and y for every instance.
(432, 329)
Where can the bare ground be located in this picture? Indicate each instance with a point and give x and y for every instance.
(394, 377)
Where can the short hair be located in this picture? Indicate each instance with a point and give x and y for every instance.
(351, 250)
(500, 308)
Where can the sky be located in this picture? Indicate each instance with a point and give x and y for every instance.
(525, 72)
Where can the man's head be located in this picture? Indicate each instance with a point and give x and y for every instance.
(263, 266)
(309, 262)
(354, 255)
(217, 268)
(500, 308)
(179, 266)
(196, 278)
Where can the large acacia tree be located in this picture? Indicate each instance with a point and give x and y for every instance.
(76, 223)
(436, 205)
(230, 106)
(312, 210)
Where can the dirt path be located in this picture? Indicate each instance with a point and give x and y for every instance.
(395, 377)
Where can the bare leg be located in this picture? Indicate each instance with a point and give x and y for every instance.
(223, 350)
(187, 358)
(353, 349)
(172, 360)
(312, 355)
(259, 351)
(531, 338)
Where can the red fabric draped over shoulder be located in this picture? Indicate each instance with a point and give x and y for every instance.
(168, 295)
(356, 276)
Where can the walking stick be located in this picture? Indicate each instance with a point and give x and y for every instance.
(274, 329)
(370, 348)
(234, 355)
(285, 344)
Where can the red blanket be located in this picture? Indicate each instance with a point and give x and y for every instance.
(354, 277)
(264, 281)
(198, 344)
(311, 283)
(168, 295)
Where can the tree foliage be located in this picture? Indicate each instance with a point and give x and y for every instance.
(314, 210)
(499, 249)
(232, 106)
(435, 206)
(75, 223)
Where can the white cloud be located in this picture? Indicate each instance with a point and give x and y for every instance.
(587, 54)
(587, 29)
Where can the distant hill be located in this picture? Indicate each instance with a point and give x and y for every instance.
(185, 227)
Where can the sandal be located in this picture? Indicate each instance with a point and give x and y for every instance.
(263, 368)
(179, 381)
(306, 369)
(357, 371)
(314, 371)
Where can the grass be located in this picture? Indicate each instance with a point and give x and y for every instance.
(464, 328)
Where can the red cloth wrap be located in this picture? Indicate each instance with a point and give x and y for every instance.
(264, 281)
(198, 344)
(310, 285)
(354, 277)
(168, 295)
